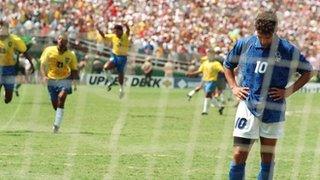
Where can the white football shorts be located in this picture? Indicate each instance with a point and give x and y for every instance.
(248, 126)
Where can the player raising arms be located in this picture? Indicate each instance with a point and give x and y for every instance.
(210, 70)
(9, 44)
(120, 47)
(58, 69)
(266, 63)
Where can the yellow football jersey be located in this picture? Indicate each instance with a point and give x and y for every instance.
(58, 66)
(210, 70)
(8, 47)
(120, 46)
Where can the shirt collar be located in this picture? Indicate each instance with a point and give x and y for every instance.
(258, 45)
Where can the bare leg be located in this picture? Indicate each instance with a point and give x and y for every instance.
(107, 67)
(242, 147)
(267, 158)
(8, 95)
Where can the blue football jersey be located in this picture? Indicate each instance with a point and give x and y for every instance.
(264, 68)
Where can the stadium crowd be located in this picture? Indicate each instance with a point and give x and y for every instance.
(178, 30)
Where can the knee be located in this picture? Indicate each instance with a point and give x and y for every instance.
(267, 153)
(105, 67)
(240, 156)
(267, 157)
(60, 104)
(61, 101)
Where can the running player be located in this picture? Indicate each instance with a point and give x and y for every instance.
(9, 44)
(58, 69)
(210, 70)
(203, 59)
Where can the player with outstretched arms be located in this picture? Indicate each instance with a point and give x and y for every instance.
(210, 70)
(120, 47)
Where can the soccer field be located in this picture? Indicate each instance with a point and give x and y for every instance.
(150, 134)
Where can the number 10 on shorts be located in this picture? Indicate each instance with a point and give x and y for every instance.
(241, 123)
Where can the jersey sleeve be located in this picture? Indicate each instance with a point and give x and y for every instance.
(233, 57)
(19, 44)
(108, 37)
(74, 62)
(303, 64)
(201, 67)
(220, 67)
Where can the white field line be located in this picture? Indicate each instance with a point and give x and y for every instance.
(223, 150)
(129, 150)
(74, 139)
(192, 138)
(5, 126)
(315, 170)
(115, 135)
(34, 113)
(302, 135)
(163, 100)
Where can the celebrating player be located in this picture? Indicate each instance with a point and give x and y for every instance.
(59, 68)
(266, 62)
(210, 70)
(9, 44)
(200, 85)
(120, 47)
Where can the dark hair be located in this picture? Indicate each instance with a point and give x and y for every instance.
(265, 26)
(266, 22)
(4, 23)
(118, 27)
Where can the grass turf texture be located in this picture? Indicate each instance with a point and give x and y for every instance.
(150, 134)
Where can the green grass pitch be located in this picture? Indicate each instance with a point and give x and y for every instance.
(150, 134)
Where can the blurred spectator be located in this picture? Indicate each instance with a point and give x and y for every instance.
(83, 65)
(97, 66)
(147, 69)
(192, 66)
(131, 66)
(181, 30)
(168, 68)
(148, 48)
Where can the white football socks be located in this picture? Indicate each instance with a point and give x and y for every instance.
(221, 98)
(191, 93)
(206, 105)
(108, 77)
(59, 116)
(215, 102)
